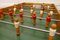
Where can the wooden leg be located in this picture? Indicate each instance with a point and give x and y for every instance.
(1, 17)
(12, 19)
(47, 24)
(50, 38)
(34, 22)
(17, 31)
(41, 15)
(21, 20)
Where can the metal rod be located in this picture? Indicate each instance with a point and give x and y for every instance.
(29, 27)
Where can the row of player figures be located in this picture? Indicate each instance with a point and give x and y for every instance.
(52, 29)
(40, 6)
(21, 10)
(41, 11)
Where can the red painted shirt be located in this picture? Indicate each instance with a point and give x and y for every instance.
(0, 13)
(10, 13)
(21, 15)
(48, 19)
(34, 16)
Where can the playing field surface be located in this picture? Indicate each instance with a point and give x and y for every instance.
(8, 31)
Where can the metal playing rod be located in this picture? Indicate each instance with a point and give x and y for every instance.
(28, 11)
(29, 27)
(44, 12)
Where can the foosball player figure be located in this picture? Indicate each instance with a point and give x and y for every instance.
(11, 15)
(51, 12)
(48, 20)
(16, 24)
(21, 17)
(4, 14)
(14, 9)
(34, 17)
(31, 10)
(42, 7)
(21, 9)
(52, 32)
(1, 14)
(41, 14)
(48, 7)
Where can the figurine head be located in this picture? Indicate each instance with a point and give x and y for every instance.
(53, 26)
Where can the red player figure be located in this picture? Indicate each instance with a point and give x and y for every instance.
(52, 32)
(34, 17)
(1, 14)
(41, 14)
(21, 16)
(16, 24)
(48, 19)
(11, 14)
